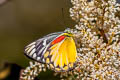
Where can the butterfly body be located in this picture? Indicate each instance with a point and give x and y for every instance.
(58, 50)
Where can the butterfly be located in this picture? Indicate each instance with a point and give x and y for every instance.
(57, 50)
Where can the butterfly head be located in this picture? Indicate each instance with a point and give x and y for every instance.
(68, 32)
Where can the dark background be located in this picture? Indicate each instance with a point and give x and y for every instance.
(23, 21)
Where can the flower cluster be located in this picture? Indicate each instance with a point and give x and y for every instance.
(32, 71)
(98, 33)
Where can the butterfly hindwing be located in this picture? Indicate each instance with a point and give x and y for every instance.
(61, 56)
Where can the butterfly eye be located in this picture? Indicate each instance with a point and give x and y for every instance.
(68, 30)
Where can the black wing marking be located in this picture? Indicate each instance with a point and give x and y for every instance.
(36, 49)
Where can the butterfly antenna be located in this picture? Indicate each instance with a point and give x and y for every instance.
(63, 17)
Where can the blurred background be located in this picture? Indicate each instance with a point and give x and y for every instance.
(23, 21)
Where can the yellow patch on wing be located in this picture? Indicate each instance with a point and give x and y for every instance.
(65, 68)
(47, 60)
(57, 69)
(46, 54)
(71, 49)
(51, 65)
(57, 60)
(64, 53)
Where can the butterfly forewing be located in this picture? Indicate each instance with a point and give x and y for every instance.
(36, 49)
(56, 49)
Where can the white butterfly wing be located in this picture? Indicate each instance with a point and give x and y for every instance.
(36, 49)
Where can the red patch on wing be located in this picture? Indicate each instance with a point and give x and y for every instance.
(58, 40)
